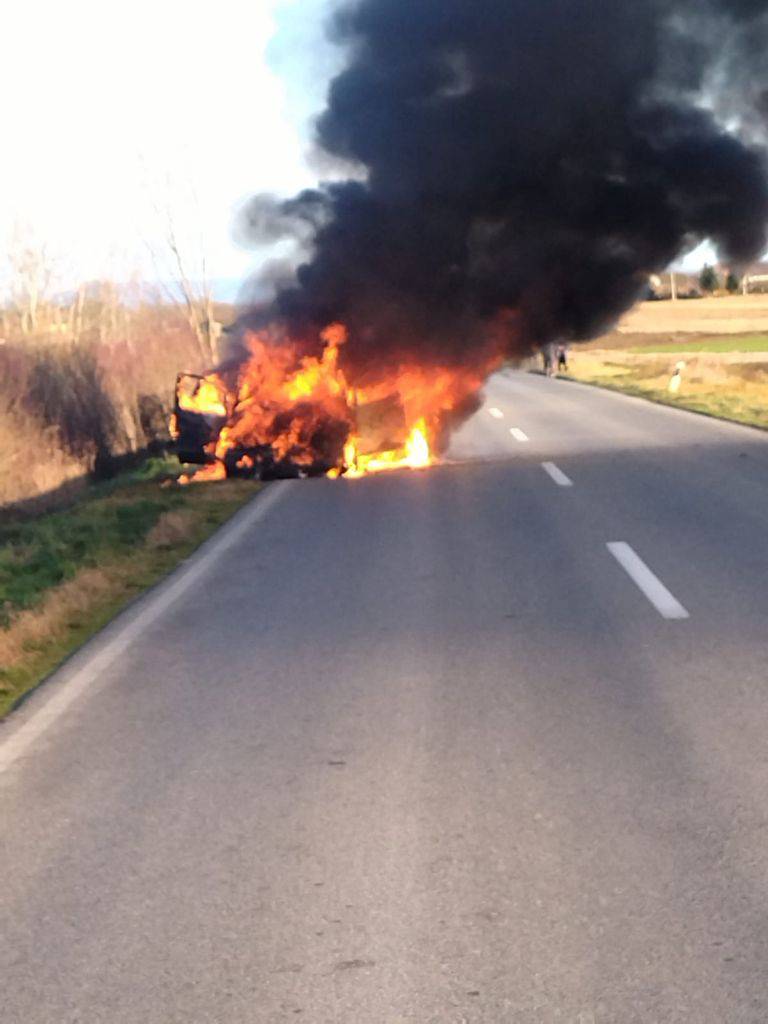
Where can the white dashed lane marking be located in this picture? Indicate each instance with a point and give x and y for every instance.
(518, 434)
(665, 603)
(557, 474)
(496, 413)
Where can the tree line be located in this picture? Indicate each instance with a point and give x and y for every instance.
(709, 281)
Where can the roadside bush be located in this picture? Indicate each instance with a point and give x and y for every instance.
(32, 460)
(65, 390)
(70, 409)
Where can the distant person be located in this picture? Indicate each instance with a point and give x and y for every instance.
(562, 358)
(548, 358)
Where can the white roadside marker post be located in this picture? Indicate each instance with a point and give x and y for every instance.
(676, 378)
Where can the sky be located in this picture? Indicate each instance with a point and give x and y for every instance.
(117, 114)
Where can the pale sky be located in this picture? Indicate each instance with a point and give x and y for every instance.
(109, 108)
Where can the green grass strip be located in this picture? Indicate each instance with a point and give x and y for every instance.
(749, 343)
(116, 540)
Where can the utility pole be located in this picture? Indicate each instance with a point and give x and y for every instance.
(672, 286)
(745, 283)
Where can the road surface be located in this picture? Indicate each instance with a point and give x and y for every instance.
(421, 747)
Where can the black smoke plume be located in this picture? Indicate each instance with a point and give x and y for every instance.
(521, 167)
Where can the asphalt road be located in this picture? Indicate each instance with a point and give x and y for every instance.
(419, 748)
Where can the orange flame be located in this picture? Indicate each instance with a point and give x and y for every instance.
(415, 454)
(208, 397)
(304, 409)
(206, 474)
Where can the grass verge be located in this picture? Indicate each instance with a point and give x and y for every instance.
(727, 390)
(65, 574)
(748, 343)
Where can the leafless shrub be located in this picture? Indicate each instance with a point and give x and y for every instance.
(92, 386)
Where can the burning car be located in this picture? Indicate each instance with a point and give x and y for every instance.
(203, 406)
(200, 410)
(280, 412)
(284, 415)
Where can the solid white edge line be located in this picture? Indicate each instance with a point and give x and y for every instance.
(665, 603)
(557, 474)
(518, 434)
(16, 745)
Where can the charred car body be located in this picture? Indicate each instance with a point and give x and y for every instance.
(205, 429)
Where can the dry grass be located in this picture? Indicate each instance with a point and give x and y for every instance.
(727, 314)
(727, 386)
(172, 528)
(61, 609)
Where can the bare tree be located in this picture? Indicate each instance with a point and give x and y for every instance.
(31, 274)
(197, 294)
(182, 265)
(76, 311)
